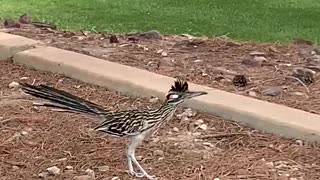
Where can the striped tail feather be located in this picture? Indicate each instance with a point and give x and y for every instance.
(61, 99)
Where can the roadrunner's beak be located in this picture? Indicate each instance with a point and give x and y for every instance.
(192, 94)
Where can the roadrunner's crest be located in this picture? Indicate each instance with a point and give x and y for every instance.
(179, 86)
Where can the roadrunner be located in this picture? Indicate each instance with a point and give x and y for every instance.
(134, 124)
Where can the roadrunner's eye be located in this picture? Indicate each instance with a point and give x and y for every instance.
(174, 96)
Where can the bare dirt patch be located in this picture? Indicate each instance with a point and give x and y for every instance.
(272, 71)
(33, 140)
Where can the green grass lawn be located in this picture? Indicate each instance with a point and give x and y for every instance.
(258, 20)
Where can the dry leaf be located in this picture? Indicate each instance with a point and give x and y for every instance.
(252, 94)
(272, 91)
(257, 53)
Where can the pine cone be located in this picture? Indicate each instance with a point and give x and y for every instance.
(25, 19)
(114, 39)
(307, 79)
(10, 23)
(304, 74)
(239, 80)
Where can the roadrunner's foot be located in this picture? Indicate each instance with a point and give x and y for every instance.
(136, 174)
(140, 175)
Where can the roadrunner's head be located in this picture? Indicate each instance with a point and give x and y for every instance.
(179, 92)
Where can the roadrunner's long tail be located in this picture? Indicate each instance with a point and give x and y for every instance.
(61, 99)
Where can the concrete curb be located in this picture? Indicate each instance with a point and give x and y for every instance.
(265, 116)
(11, 44)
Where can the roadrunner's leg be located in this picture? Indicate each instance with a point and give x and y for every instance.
(135, 141)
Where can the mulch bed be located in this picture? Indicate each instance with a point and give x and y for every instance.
(34, 139)
(274, 73)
